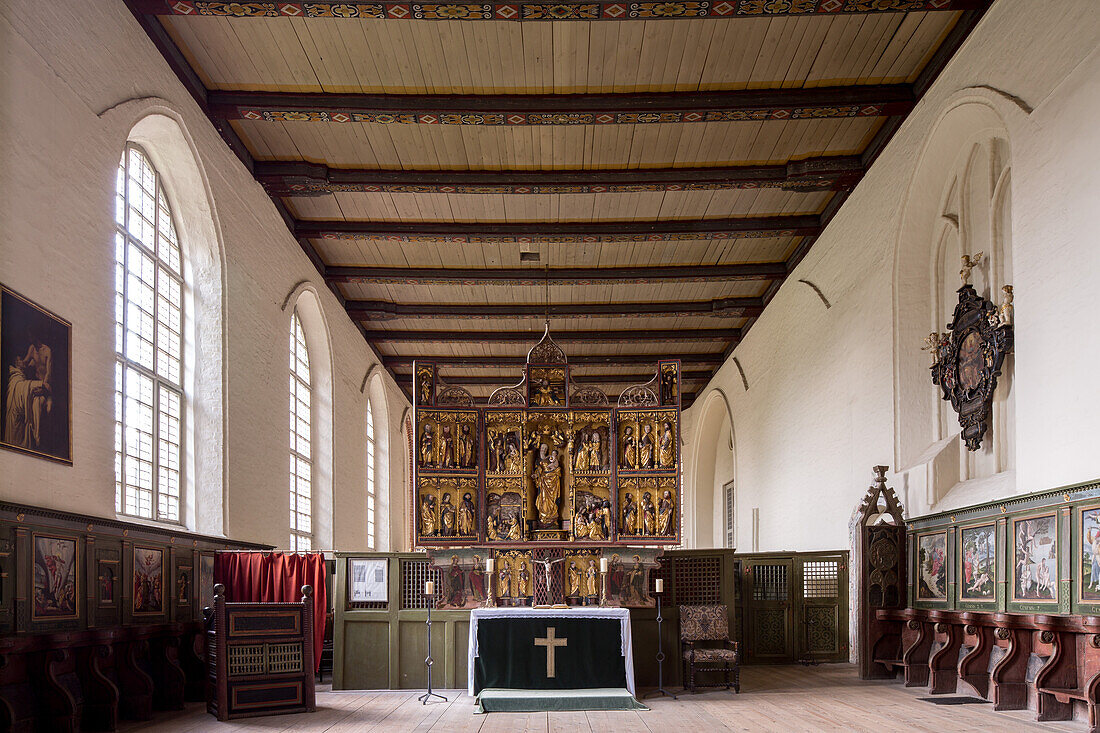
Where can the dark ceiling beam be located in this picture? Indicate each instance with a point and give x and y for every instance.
(379, 310)
(864, 100)
(301, 178)
(792, 225)
(190, 80)
(481, 361)
(500, 381)
(563, 10)
(558, 275)
(947, 49)
(685, 335)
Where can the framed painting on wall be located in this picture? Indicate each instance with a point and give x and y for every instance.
(148, 580)
(107, 581)
(184, 585)
(56, 578)
(35, 355)
(977, 563)
(367, 580)
(932, 566)
(1088, 583)
(1035, 559)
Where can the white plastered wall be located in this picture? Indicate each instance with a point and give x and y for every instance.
(74, 81)
(822, 396)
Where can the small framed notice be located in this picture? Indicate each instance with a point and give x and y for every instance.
(367, 581)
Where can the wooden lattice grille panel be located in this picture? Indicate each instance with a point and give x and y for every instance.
(769, 582)
(246, 659)
(284, 658)
(821, 579)
(414, 573)
(690, 581)
(556, 577)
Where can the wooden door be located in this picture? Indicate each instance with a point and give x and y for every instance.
(769, 619)
(822, 633)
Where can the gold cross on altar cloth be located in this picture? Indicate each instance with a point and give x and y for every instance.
(551, 645)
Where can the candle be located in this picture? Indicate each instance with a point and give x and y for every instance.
(660, 585)
(429, 588)
(489, 564)
(603, 564)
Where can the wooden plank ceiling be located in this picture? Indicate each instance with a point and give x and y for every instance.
(660, 167)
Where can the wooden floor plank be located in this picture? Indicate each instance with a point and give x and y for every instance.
(788, 699)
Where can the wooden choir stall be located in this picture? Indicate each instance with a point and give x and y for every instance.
(999, 600)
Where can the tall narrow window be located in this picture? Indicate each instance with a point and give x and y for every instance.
(149, 397)
(301, 460)
(371, 492)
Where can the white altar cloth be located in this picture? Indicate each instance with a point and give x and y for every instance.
(623, 614)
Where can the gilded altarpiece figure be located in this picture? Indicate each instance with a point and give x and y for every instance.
(549, 471)
(546, 461)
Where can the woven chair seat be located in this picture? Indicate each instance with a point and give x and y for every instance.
(712, 655)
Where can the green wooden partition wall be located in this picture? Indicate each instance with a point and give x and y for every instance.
(783, 606)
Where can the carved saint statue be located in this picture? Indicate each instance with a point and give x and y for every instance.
(649, 515)
(427, 454)
(504, 579)
(595, 459)
(968, 264)
(466, 516)
(513, 530)
(447, 516)
(492, 527)
(523, 584)
(646, 447)
(445, 451)
(574, 579)
(595, 527)
(466, 457)
(429, 522)
(630, 448)
(581, 450)
(548, 485)
(669, 379)
(425, 391)
(496, 451)
(630, 516)
(580, 524)
(665, 514)
(666, 457)
(605, 517)
(513, 459)
(591, 584)
(1005, 310)
(544, 395)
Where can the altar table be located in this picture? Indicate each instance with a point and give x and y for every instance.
(550, 648)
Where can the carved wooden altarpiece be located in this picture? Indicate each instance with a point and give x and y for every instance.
(551, 469)
(968, 360)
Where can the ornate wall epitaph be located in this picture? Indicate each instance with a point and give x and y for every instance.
(967, 360)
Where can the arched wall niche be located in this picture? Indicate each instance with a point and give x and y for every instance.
(713, 465)
(958, 202)
(384, 490)
(160, 132)
(304, 299)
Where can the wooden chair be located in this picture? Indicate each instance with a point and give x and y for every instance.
(709, 625)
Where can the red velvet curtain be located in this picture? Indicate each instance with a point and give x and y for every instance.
(258, 577)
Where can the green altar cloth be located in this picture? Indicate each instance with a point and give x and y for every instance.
(495, 700)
